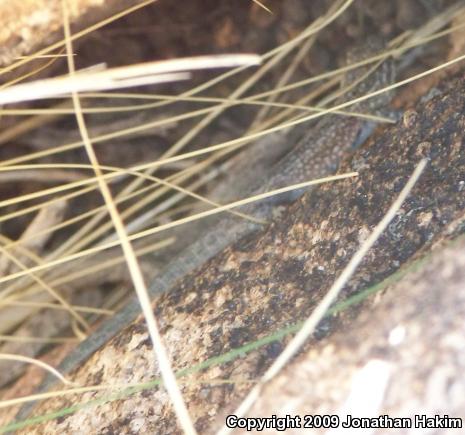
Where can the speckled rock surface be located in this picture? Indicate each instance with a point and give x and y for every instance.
(274, 279)
(404, 356)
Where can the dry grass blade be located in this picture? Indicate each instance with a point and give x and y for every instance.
(14, 302)
(310, 324)
(113, 387)
(54, 293)
(31, 73)
(166, 371)
(52, 176)
(24, 339)
(262, 6)
(173, 224)
(41, 364)
(123, 77)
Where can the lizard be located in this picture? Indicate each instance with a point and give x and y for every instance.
(316, 155)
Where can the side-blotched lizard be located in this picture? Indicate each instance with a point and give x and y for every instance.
(316, 155)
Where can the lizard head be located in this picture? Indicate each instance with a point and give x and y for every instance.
(364, 79)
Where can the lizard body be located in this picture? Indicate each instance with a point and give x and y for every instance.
(316, 155)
